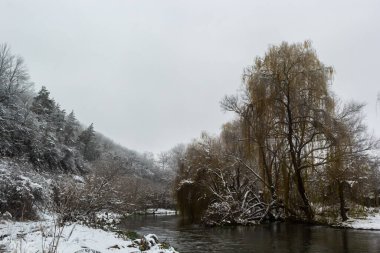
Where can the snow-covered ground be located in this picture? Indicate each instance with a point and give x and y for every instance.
(37, 236)
(160, 211)
(372, 222)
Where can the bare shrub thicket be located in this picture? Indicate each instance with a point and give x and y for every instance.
(108, 188)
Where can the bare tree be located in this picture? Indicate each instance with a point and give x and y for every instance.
(163, 160)
(14, 77)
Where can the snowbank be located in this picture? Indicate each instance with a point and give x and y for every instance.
(372, 222)
(75, 238)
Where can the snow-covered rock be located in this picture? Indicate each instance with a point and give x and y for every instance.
(6, 216)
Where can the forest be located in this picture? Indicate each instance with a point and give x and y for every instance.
(50, 161)
(294, 152)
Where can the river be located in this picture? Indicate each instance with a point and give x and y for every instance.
(274, 237)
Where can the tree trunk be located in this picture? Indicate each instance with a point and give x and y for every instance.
(343, 211)
(296, 161)
(301, 190)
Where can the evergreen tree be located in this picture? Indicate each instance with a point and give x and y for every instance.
(57, 121)
(70, 129)
(42, 103)
(87, 143)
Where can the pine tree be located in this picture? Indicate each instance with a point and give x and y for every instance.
(43, 104)
(87, 143)
(57, 121)
(70, 129)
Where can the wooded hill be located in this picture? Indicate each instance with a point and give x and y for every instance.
(37, 134)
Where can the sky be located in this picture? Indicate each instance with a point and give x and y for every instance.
(151, 74)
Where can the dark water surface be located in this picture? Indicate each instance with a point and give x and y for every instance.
(275, 237)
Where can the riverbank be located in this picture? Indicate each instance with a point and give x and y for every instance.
(370, 222)
(45, 235)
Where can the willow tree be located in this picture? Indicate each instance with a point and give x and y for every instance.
(349, 156)
(288, 106)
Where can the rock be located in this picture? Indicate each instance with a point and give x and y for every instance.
(152, 239)
(7, 216)
(87, 251)
(114, 247)
(3, 236)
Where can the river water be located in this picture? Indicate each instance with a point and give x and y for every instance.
(274, 237)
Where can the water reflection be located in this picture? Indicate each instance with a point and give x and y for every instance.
(275, 237)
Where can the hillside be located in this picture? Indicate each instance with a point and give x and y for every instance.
(43, 145)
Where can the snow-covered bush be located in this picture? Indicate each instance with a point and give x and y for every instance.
(82, 199)
(218, 213)
(18, 195)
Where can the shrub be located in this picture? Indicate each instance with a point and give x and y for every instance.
(18, 196)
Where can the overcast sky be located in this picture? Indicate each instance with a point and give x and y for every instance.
(150, 74)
